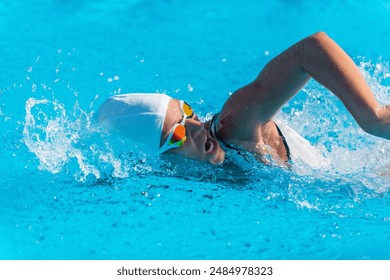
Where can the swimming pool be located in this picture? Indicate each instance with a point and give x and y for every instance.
(68, 191)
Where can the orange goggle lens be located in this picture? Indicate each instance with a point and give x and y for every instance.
(179, 134)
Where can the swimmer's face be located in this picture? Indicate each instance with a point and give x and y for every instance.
(199, 144)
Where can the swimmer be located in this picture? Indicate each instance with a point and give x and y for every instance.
(169, 126)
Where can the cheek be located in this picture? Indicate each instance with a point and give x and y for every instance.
(190, 150)
(187, 150)
(189, 145)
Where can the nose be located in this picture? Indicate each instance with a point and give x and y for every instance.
(195, 128)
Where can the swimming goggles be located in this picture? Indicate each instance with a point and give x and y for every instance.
(178, 135)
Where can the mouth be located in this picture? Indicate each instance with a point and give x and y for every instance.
(209, 145)
(212, 148)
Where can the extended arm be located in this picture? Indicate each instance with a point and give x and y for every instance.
(316, 56)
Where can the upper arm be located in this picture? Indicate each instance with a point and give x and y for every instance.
(257, 102)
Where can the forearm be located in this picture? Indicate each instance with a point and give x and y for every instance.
(327, 63)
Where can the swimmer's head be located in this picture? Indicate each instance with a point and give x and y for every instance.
(162, 124)
(139, 117)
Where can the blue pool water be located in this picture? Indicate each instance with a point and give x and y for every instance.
(69, 192)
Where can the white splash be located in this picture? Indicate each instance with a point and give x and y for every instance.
(52, 139)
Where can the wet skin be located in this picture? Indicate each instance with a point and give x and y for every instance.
(199, 145)
(246, 117)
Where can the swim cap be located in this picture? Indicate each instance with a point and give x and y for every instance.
(137, 116)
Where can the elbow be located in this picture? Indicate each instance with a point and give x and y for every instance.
(311, 47)
(320, 35)
(318, 39)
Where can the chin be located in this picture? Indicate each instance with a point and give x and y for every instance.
(219, 157)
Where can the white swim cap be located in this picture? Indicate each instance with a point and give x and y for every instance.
(138, 116)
